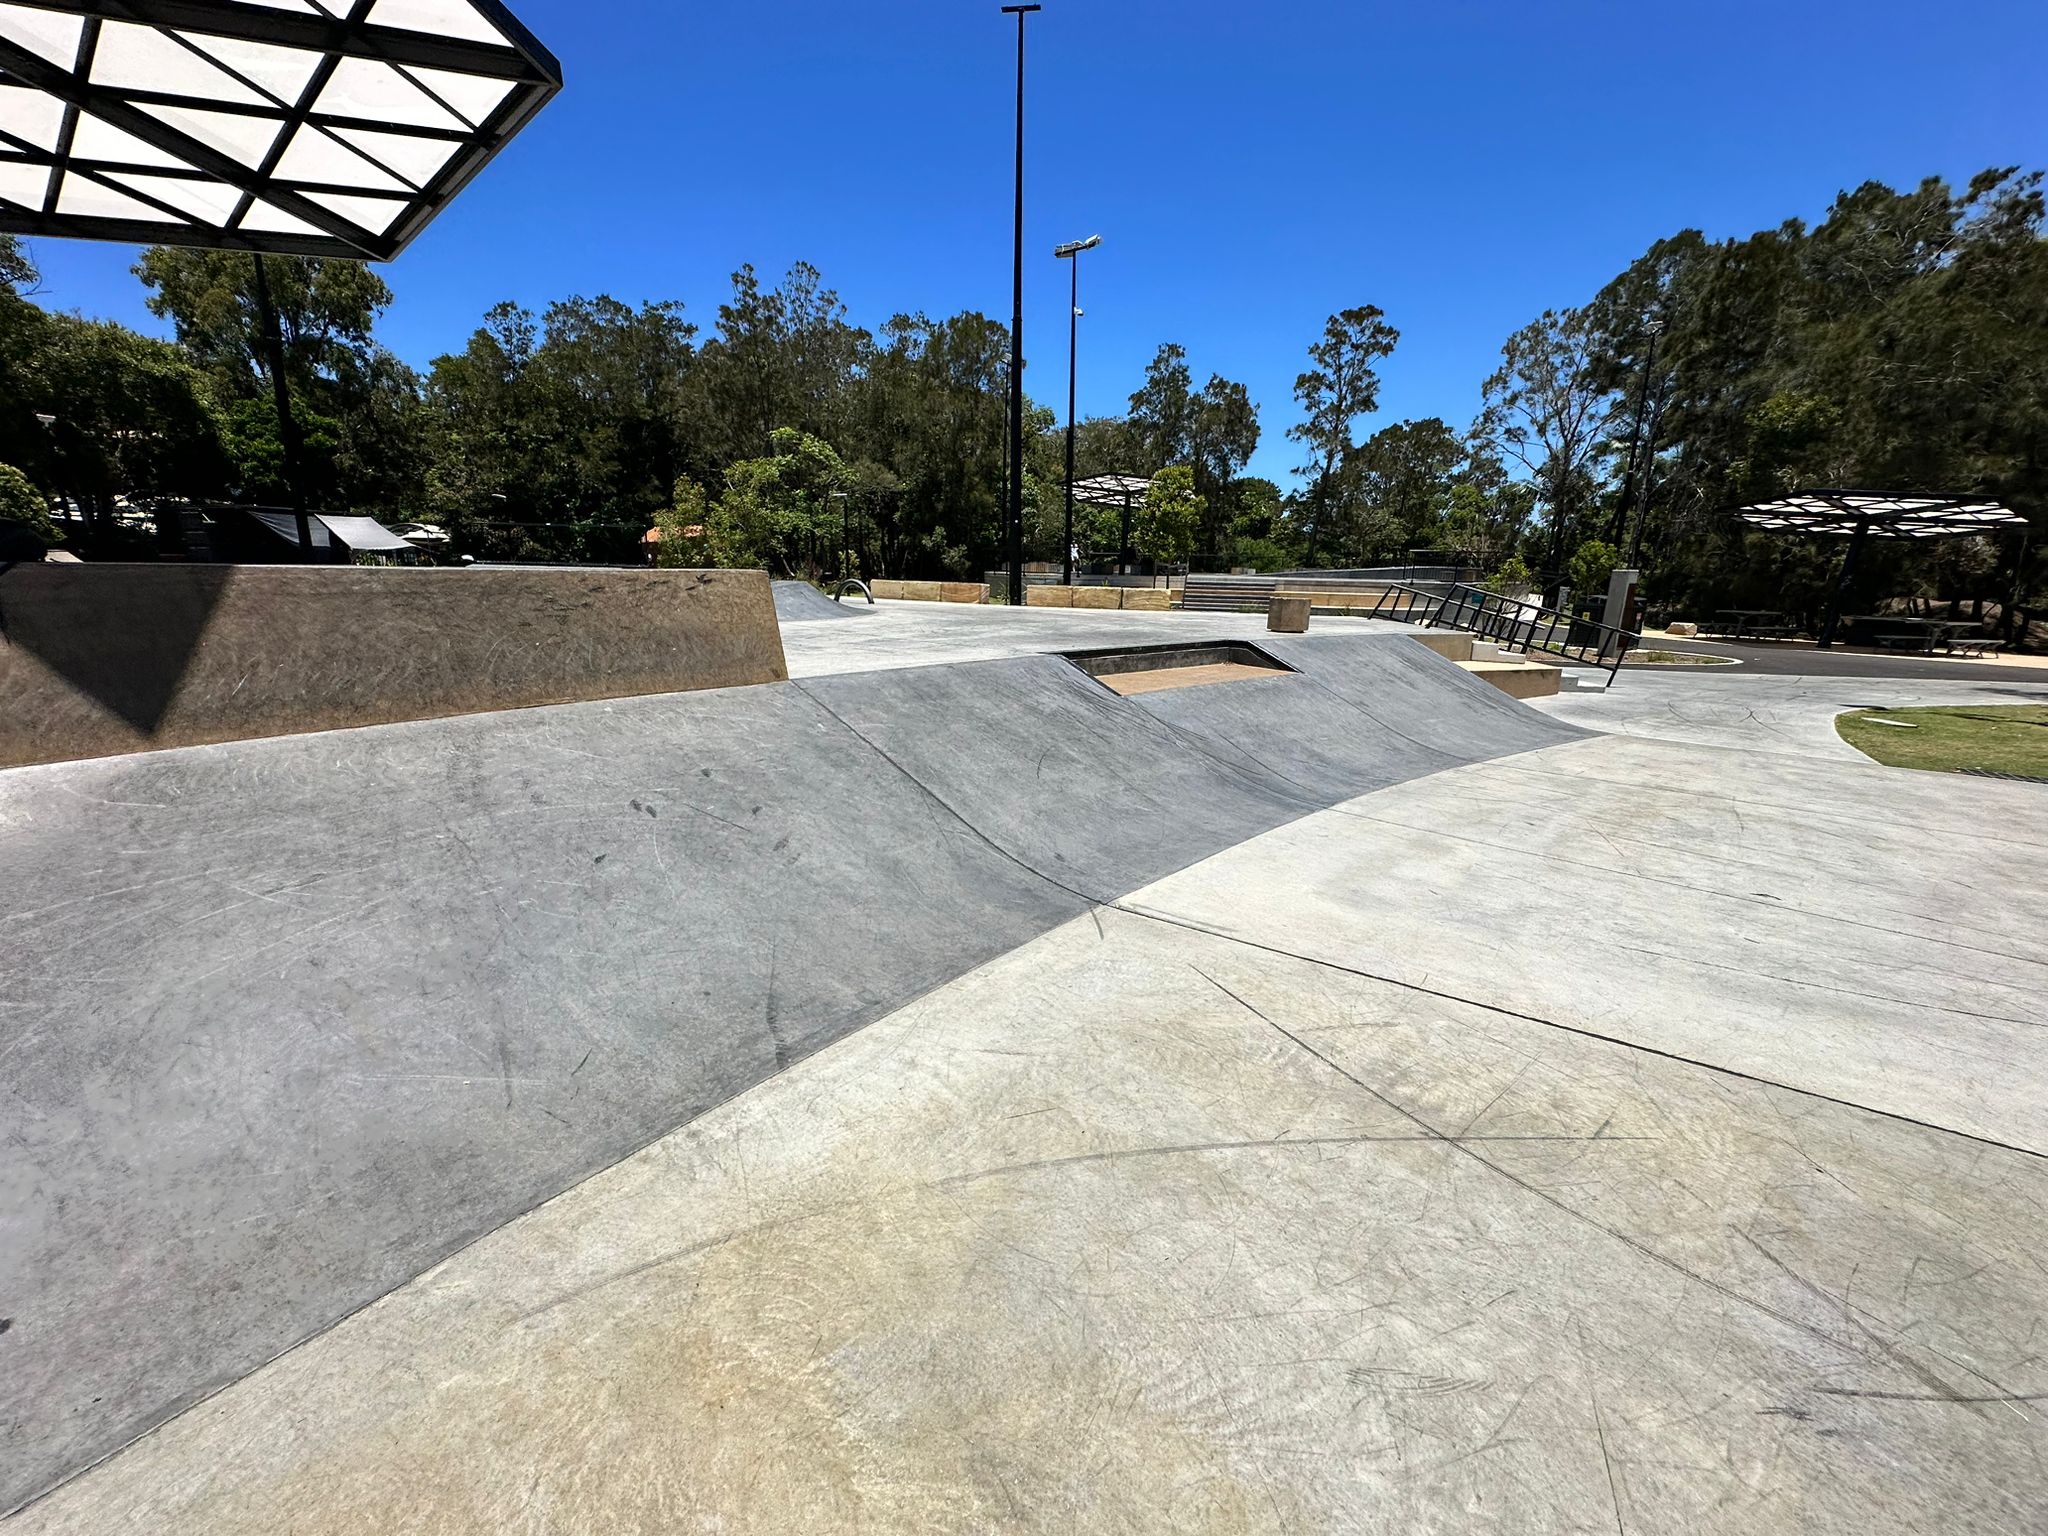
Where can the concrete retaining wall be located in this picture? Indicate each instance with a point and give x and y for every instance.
(1130, 599)
(103, 659)
(930, 591)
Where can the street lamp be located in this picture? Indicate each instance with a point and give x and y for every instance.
(1071, 251)
(1016, 529)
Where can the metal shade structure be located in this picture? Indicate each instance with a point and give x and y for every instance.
(295, 127)
(1882, 515)
(1861, 515)
(1121, 491)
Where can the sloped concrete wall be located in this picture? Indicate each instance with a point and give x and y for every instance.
(102, 659)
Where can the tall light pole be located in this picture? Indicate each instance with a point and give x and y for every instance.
(1646, 437)
(1016, 513)
(1071, 251)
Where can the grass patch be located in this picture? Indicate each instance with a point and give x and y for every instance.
(1676, 659)
(2004, 738)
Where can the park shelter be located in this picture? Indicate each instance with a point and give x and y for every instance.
(295, 127)
(1862, 515)
(1122, 492)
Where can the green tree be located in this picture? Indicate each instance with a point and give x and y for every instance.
(1402, 479)
(1547, 409)
(683, 526)
(22, 504)
(1593, 562)
(778, 512)
(1165, 524)
(1340, 385)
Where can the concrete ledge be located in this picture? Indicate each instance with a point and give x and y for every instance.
(104, 659)
(1096, 597)
(1519, 679)
(882, 588)
(920, 591)
(963, 591)
(1048, 597)
(1451, 644)
(1147, 599)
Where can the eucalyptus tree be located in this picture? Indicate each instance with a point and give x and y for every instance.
(1340, 385)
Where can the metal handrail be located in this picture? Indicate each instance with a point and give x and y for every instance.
(858, 586)
(1513, 624)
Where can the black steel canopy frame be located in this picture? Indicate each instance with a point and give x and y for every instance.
(242, 101)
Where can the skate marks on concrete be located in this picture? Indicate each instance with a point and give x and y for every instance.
(1140, 1227)
(292, 1020)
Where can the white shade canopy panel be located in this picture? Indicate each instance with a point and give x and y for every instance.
(301, 127)
(1881, 515)
(1112, 490)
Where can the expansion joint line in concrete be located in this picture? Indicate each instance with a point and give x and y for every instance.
(1941, 1390)
(1116, 904)
(1575, 1029)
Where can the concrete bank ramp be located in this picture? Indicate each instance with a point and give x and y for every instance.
(799, 601)
(288, 1021)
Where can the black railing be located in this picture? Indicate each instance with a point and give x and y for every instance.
(1511, 623)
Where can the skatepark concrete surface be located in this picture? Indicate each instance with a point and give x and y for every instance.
(958, 1098)
(798, 602)
(1771, 713)
(903, 634)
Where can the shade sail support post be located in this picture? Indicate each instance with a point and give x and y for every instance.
(288, 436)
(1841, 591)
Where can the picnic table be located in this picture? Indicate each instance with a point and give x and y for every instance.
(1757, 621)
(1922, 635)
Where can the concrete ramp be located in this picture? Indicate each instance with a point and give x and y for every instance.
(798, 601)
(286, 1022)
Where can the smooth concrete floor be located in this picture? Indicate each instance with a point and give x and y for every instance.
(901, 634)
(1620, 1136)
(1753, 710)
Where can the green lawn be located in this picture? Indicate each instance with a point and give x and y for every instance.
(2007, 738)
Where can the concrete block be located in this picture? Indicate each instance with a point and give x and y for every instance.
(1519, 679)
(963, 591)
(921, 591)
(1148, 599)
(1451, 644)
(884, 588)
(1048, 597)
(105, 659)
(1096, 597)
(1287, 615)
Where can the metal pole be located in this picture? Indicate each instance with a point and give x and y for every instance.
(1649, 460)
(1016, 511)
(1073, 339)
(1635, 438)
(287, 424)
(1827, 633)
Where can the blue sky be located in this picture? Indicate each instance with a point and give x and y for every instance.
(1252, 168)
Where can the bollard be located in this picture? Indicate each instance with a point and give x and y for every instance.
(1287, 615)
